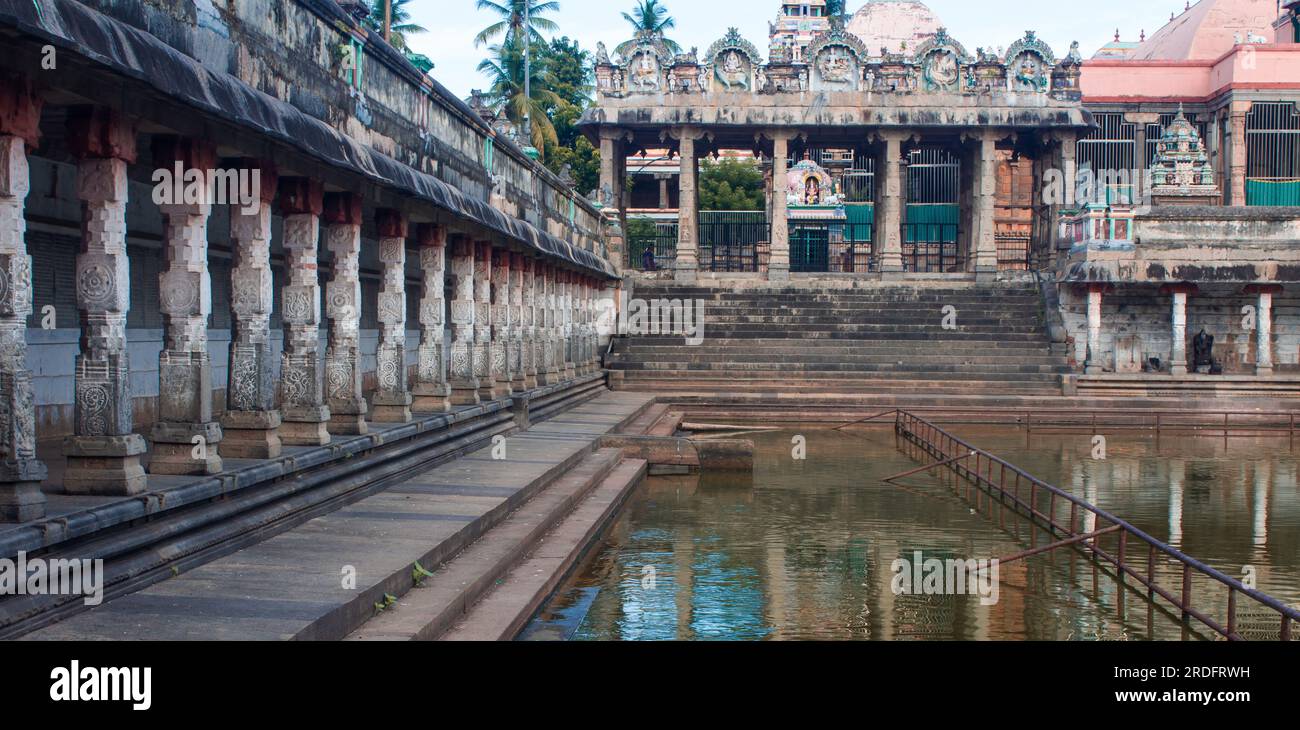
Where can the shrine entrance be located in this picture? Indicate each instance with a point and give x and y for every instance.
(931, 220)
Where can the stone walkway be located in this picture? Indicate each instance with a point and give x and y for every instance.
(293, 585)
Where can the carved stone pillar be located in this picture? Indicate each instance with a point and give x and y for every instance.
(778, 262)
(21, 473)
(1094, 362)
(501, 324)
(519, 379)
(432, 391)
(1238, 153)
(1178, 334)
(1264, 327)
(984, 208)
(548, 336)
(589, 317)
(483, 366)
(185, 434)
(581, 360)
(687, 263)
(593, 331)
(392, 400)
(464, 353)
(104, 455)
(889, 210)
(343, 308)
(302, 393)
(251, 423)
(569, 342)
(530, 320)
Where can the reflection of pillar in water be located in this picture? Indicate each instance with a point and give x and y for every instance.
(883, 579)
(777, 584)
(1259, 527)
(683, 582)
(1085, 487)
(1177, 470)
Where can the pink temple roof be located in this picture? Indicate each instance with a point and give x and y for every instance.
(1209, 29)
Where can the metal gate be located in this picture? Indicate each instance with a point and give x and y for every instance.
(932, 215)
(729, 240)
(1273, 154)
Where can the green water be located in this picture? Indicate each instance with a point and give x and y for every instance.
(807, 550)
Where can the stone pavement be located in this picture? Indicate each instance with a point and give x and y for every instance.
(295, 585)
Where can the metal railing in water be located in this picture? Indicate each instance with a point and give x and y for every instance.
(1008, 482)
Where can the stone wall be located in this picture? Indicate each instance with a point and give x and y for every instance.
(1138, 320)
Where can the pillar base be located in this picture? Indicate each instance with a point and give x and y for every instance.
(570, 371)
(465, 392)
(685, 274)
(348, 418)
(305, 426)
(1178, 370)
(391, 408)
(519, 384)
(985, 274)
(431, 399)
(531, 381)
(550, 377)
(1264, 372)
(174, 449)
(105, 466)
(1093, 370)
(21, 498)
(778, 273)
(495, 390)
(251, 435)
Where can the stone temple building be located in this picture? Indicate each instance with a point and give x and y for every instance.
(1148, 194)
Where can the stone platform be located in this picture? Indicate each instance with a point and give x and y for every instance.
(292, 586)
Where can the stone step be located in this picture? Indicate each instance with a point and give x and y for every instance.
(793, 375)
(856, 367)
(749, 335)
(702, 353)
(504, 612)
(427, 611)
(726, 388)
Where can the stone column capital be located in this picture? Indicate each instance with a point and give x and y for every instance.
(20, 109)
(96, 132)
(390, 223)
(301, 196)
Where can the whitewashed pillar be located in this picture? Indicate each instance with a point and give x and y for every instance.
(347, 406)
(463, 367)
(21, 473)
(432, 390)
(104, 455)
(304, 415)
(185, 435)
(392, 399)
(1178, 351)
(1095, 360)
(251, 424)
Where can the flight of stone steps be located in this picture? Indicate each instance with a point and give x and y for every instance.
(888, 339)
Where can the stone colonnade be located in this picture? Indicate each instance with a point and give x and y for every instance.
(1179, 295)
(518, 320)
(977, 148)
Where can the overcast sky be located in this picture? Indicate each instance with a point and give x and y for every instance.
(453, 24)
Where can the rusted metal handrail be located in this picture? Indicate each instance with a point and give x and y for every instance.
(941, 444)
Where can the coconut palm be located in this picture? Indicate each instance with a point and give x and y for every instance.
(511, 23)
(400, 22)
(505, 69)
(649, 16)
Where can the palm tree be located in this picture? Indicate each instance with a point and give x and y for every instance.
(505, 69)
(401, 22)
(511, 13)
(650, 17)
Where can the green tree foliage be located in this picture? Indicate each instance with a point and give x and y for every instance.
(401, 25)
(731, 184)
(511, 20)
(651, 16)
(569, 75)
(505, 69)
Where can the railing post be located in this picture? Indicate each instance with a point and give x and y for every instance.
(1285, 634)
(1151, 572)
(1232, 611)
(1187, 590)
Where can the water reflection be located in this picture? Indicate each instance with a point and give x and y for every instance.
(805, 550)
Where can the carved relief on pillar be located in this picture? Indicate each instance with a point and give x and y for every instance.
(343, 308)
(519, 381)
(392, 401)
(21, 473)
(104, 455)
(483, 365)
(548, 373)
(530, 319)
(501, 324)
(251, 423)
(302, 393)
(432, 391)
(567, 289)
(464, 311)
(185, 434)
